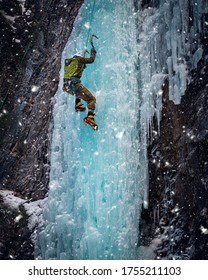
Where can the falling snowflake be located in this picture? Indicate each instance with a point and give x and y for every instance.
(204, 230)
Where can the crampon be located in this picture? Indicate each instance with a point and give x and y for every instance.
(91, 122)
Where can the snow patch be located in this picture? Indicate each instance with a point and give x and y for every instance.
(22, 4)
(18, 218)
(10, 19)
(33, 208)
(28, 12)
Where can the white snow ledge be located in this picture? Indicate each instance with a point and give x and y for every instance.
(33, 209)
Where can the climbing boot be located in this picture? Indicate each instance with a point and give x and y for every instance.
(80, 107)
(89, 120)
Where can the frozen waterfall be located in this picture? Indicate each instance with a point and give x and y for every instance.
(99, 180)
(96, 190)
(169, 47)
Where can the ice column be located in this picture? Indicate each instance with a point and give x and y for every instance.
(169, 47)
(96, 181)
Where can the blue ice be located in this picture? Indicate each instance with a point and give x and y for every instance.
(93, 205)
(99, 180)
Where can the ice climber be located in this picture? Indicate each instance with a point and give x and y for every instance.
(73, 70)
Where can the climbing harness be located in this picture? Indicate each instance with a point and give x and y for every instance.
(69, 85)
(72, 84)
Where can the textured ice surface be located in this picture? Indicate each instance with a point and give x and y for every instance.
(169, 47)
(96, 189)
(99, 179)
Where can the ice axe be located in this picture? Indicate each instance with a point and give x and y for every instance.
(91, 40)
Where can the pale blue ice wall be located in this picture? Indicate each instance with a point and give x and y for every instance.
(96, 183)
(169, 46)
(100, 179)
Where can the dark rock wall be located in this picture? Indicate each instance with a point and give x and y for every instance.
(148, 3)
(31, 45)
(178, 169)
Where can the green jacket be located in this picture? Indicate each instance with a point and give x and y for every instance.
(76, 65)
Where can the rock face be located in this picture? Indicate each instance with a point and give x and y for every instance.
(33, 35)
(178, 166)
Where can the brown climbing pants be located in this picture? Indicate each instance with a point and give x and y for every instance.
(84, 94)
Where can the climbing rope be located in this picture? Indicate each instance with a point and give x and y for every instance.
(90, 22)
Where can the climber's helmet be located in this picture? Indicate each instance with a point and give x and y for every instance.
(78, 54)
